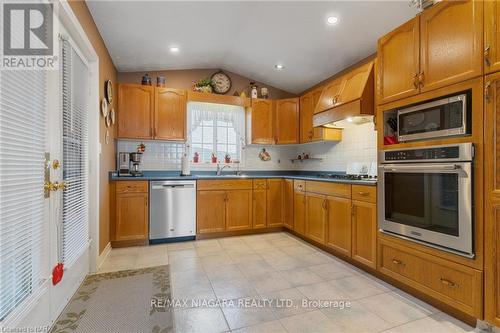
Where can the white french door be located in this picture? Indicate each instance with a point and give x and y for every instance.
(44, 186)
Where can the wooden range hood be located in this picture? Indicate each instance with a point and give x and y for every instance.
(349, 96)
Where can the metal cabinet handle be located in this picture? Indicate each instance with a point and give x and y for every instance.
(487, 55)
(449, 283)
(364, 193)
(415, 80)
(397, 262)
(487, 89)
(421, 78)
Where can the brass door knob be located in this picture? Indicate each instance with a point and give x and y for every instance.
(50, 186)
(62, 186)
(56, 164)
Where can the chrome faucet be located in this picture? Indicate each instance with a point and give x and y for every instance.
(219, 168)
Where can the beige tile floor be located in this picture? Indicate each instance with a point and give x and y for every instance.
(278, 266)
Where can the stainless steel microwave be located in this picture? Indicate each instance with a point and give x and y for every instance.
(439, 118)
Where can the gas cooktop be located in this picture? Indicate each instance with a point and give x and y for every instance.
(346, 176)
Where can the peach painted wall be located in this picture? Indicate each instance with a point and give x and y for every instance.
(107, 71)
(183, 79)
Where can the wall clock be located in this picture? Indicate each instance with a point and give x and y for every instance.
(221, 82)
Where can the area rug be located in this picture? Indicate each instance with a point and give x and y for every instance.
(128, 301)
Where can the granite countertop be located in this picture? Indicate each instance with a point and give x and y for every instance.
(200, 175)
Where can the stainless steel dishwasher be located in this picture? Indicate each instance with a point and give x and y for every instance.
(172, 211)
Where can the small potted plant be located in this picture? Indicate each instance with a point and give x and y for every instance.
(203, 85)
(214, 158)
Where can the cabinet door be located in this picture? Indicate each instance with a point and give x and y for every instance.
(274, 202)
(339, 224)
(306, 118)
(316, 217)
(259, 208)
(262, 121)
(238, 210)
(210, 211)
(299, 213)
(355, 83)
(451, 43)
(364, 233)
(398, 62)
(287, 121)
(492, 198)
(170, 114)
(135, 111)
(330, 95)
(131, 216)
(288, 203)
(491, 36)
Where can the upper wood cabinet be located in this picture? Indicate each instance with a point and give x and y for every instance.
(135, 111)
(492, 198)
(170, 114)
(439, 47)
(261, 122)
(288, 199)
(398, 62)
(491, 36)
(355, 83)
(274, 202)
(146, 112)
(451, 39)
(287, 121)
(330, 95)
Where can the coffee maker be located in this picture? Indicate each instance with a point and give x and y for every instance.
(129, 164)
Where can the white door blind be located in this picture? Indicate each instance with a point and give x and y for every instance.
(22, 147)
(75, 93)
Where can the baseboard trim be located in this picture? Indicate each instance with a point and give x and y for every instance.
(104, 254)
(238, 232)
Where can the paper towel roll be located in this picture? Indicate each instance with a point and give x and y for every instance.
(185, 169)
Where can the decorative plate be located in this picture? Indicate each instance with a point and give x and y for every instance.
(104, 107)
(108, 120)
(106, 137)
(221, 82)
(113, 116)
(109, 91)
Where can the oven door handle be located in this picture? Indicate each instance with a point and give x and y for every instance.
(435, 168)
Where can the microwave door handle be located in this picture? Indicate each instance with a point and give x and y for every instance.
(446, 167)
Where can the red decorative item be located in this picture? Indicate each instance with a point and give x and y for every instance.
(214, 158)
(57, 273)
(390, 140)
(196, 158)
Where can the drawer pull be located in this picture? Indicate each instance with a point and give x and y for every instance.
(398, 262)
(364, 193)
(449, 283)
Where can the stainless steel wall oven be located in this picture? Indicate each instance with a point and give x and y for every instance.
(426, 194)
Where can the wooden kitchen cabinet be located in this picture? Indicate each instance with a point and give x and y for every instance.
(330, 95)
(287, 121)
(398, 62)
(238, 210)
(262, 122)
(364, 232)
(451, 39)
(491, 36)
(170, 114)
(339, 224)
(316, 217)
(131, 211)
(135, 111)
(274, 202)
(492, 198)
(259, 208)
(299, 212)
(210, 211)
(288, 199)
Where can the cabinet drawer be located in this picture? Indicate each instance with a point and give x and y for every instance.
(333, 189)
(364, 193)
(260, 184)
(460, 283)
(232, 184)
(299, 185)
(131, 186)
(402, 263)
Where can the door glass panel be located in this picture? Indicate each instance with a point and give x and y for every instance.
(423, 200)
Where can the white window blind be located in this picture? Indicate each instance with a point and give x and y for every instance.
(22, 147)
(217, 129)
(75, 212)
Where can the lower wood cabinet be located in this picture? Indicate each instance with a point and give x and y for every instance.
(316, 217)
(339, 224)
(259, 207)
(131, 212)
(288, 199)
(364, 232)
(299, 212)
(238, 210)
(274, 202)
(210, 211)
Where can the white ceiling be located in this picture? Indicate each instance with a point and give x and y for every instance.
(246, 37)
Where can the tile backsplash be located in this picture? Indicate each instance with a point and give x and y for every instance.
(358, 145)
